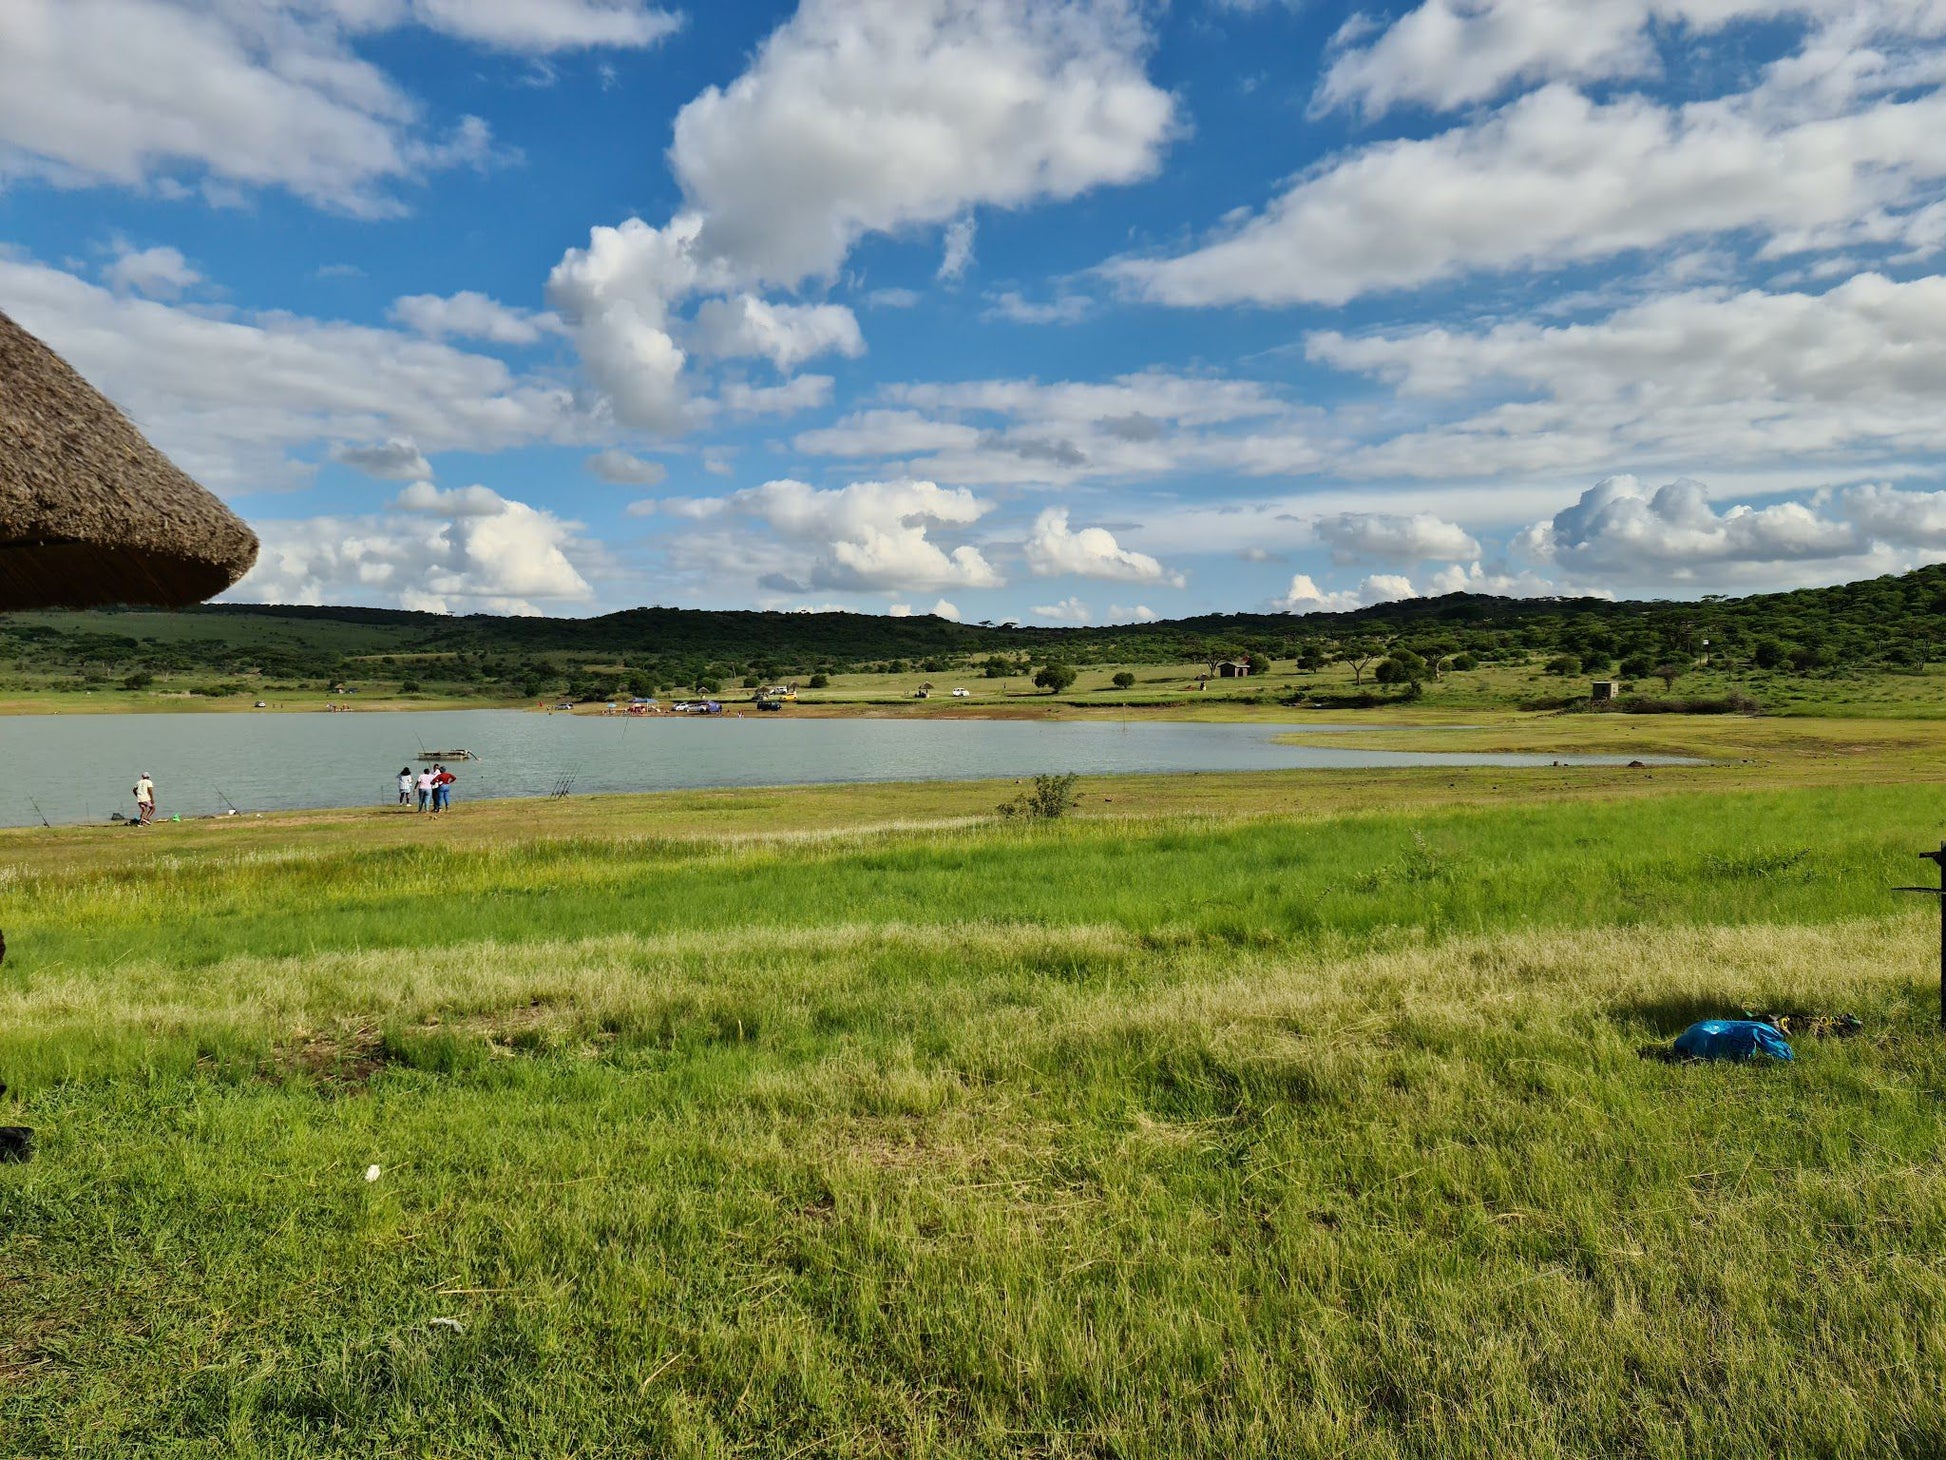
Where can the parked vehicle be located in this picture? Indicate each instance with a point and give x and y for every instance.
(960, 694)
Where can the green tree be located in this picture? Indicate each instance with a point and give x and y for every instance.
(1258, 663)
(820, 681)
(1124, 680)
(1054, 676)
(1359, 654)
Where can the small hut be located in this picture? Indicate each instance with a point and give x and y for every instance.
(90, 512)
(1233, 669)
(1604, 690)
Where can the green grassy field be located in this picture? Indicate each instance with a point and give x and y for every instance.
(1169, 691)
(1249, 1115)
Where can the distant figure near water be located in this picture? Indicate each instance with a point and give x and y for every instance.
(405, 785)
(144, 799)
(442, 788)
(425, 789)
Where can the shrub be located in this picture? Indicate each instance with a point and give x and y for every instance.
(1462, 662)
(1402, 667)
(140, 679)
(1562, 664)
(1124, 680)
(819, 681)
(1052, 798)
(1730, 704)
(408, 686)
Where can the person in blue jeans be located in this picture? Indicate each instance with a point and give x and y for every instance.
(442, 788)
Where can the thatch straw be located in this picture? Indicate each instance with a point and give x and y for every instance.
(90, 512)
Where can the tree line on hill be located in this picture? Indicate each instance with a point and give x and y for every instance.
(1886, 624)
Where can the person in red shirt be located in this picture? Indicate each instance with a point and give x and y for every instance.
(442, 788)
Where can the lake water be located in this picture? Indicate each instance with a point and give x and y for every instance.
(80, 767)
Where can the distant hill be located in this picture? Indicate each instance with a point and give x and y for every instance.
(1884, 621)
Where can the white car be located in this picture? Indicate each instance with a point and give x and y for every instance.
(960, 694)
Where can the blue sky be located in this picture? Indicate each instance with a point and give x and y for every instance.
(1063, 311)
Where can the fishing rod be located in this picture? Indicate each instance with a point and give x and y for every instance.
(40, 813)
(226, 800)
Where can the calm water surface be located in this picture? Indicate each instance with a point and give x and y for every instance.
(81, 767)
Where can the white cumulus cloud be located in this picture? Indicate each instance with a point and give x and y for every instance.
(619, 468)
(398, 460)
(1621, 529)
(171, 94)
(870, 116)
(1067, 611)
(160, 272)
(227, 395)
(1304, 595)
(784, 334)
(868, 536)
(1555, 178)
(464, 551)
(1385, 537)
(854, 117)
(1054, 548)
(469, 315)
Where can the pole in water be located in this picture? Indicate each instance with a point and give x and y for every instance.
(1939, 859)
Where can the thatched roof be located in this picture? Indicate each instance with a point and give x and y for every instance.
(90, 513)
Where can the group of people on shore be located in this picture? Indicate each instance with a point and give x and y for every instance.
(433, 786)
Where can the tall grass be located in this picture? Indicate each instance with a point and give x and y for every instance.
(1164, 1138)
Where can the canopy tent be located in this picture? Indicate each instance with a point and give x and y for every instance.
(90, 512)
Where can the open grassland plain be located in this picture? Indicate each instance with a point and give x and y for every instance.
(1278, 1115)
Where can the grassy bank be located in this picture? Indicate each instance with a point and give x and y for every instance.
(1272, 1115)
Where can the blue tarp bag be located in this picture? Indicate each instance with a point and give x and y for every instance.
(1731, 1039)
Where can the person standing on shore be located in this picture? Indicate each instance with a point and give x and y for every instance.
(405, 785)
(425, 789)
(144, 799)
(442, 788)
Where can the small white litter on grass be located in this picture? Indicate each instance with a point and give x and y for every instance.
(372, 1173)
(452, 1323)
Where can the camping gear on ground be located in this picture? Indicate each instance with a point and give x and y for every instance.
(90, 512)
(1731, 1039)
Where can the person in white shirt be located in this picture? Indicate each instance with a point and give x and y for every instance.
(425, 789)
(144, 799)
(405, 785)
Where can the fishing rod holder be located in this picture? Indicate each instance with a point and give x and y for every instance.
(1938, 893)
